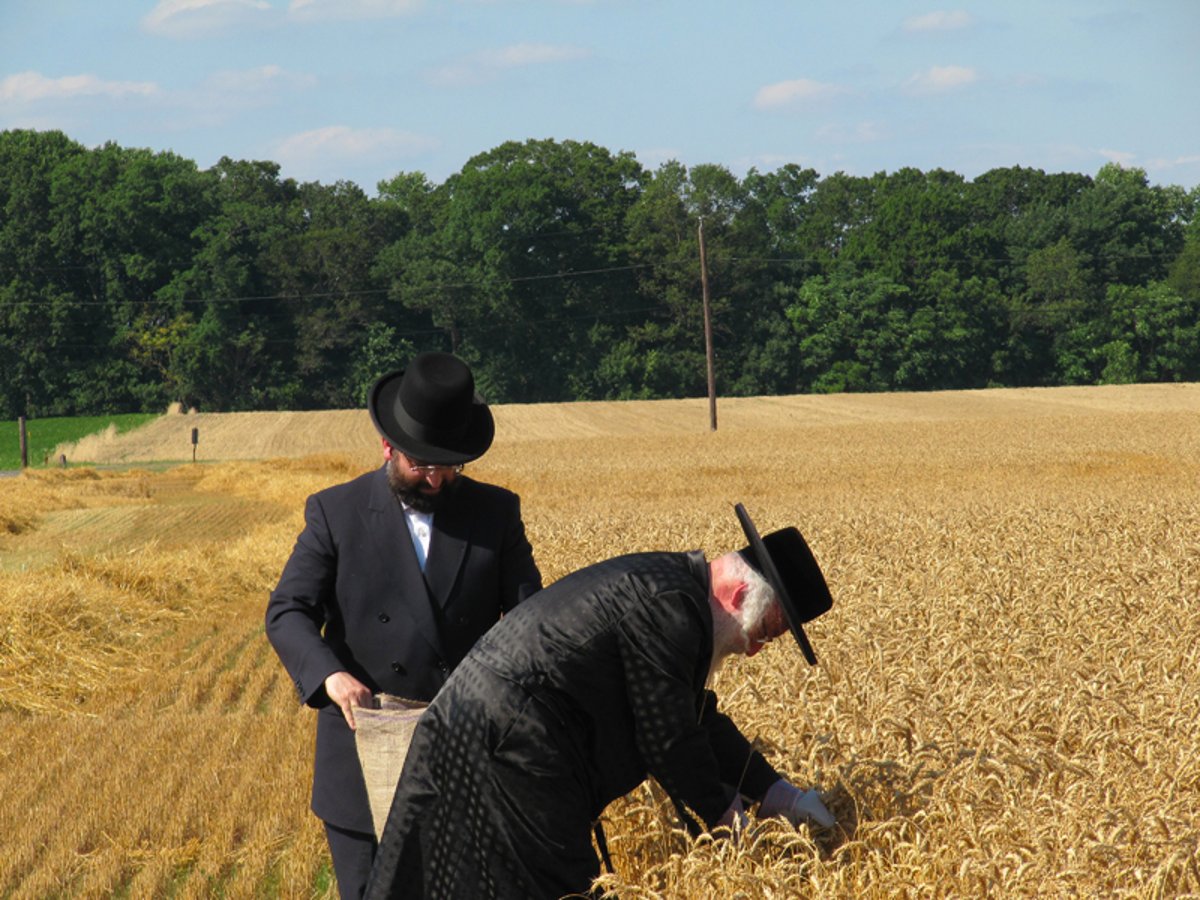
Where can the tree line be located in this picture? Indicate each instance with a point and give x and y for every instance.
(131, 279)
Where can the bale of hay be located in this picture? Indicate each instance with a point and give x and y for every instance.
(382, 736)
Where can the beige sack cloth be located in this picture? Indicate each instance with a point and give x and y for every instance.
(382, 736)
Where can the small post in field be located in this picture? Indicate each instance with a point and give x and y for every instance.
(24, 438)
(195, 441)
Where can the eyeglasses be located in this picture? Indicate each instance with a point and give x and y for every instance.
(424, 468)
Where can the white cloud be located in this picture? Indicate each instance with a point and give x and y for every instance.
(192, 18)
(484, 67)
(939, 79)
(531, 55)
(653, 157)
(197, 18)
(769, 162)
(310, 151)
(257, 81)
(943, 20)
(1120, 157)
(861, 133)
(795, 92)
(228, 94)
(352, 9)
(26, 87)
(1175, 162)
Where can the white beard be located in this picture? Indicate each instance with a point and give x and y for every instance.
(728, 637)
(731, 631)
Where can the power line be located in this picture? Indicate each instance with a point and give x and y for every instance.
(512, 280)
(653, 312)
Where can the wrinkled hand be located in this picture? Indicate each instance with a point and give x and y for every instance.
(347, 692)
(795, 805)
(734, 818)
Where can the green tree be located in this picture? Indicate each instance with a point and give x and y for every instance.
(746, 313)
(1184, 273)
(382, 351)
(916, 227)
(1059, 296)
(783, 199)
(429, 297)
(563, 271)
(526, 266)
(1014, 211)
(325, 269)
(127, 216)
(238, 329)
(1127, 231)
(1160, 328)
(836, 209)
(36, 290)
(851, 331)
(949, 340)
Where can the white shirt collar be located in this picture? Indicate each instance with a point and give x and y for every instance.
(420, 529)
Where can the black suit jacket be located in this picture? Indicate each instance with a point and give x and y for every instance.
(352, 597)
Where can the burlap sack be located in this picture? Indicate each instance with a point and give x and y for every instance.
(382, 737)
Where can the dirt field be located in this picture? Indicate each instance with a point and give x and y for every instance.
(1006, 703)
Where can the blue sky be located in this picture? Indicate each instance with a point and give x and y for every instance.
(365, 89)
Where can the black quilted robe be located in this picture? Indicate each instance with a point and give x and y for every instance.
(567, 703)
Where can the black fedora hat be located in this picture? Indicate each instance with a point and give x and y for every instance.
(785, 561)
(430, 412)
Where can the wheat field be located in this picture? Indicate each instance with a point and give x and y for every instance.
(1007, 702)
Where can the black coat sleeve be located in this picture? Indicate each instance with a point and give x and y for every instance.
(519, 575)
(298, 607)
(661, 644)
(741, 765)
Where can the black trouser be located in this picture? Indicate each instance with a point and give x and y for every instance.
(353, 855)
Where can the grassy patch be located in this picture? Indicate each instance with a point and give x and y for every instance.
(325, 882)
(46, 434)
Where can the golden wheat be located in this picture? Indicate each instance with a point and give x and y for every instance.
(1006, 701)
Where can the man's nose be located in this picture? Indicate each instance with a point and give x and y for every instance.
(435, 477)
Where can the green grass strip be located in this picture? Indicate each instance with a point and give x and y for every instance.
(46, 434)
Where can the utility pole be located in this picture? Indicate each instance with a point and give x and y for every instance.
(708, 343)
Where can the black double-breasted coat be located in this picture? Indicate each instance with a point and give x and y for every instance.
(566, 704)
(352, 597)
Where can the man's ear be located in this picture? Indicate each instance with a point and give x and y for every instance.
(738, 597)
(387, 449)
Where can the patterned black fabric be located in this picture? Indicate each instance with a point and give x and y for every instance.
(569, 702)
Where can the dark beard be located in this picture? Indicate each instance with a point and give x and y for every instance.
(411, 496)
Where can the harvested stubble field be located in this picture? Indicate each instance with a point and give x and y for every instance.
(1008, 701)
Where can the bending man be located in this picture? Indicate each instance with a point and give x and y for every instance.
(573, 699)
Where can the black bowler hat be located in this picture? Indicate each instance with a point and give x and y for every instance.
(430, 412)
(785, 561)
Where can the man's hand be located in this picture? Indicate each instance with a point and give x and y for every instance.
(735, 818)
(795, 805)
(347, 692)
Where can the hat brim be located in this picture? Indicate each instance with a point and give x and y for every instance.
(473, 442)
(766, 565)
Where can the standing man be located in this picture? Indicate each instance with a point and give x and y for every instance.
(573, 700)
(394, 577)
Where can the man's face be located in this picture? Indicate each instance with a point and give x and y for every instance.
(421, 486)
(769, 625)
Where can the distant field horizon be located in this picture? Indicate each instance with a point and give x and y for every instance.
(266, 435)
